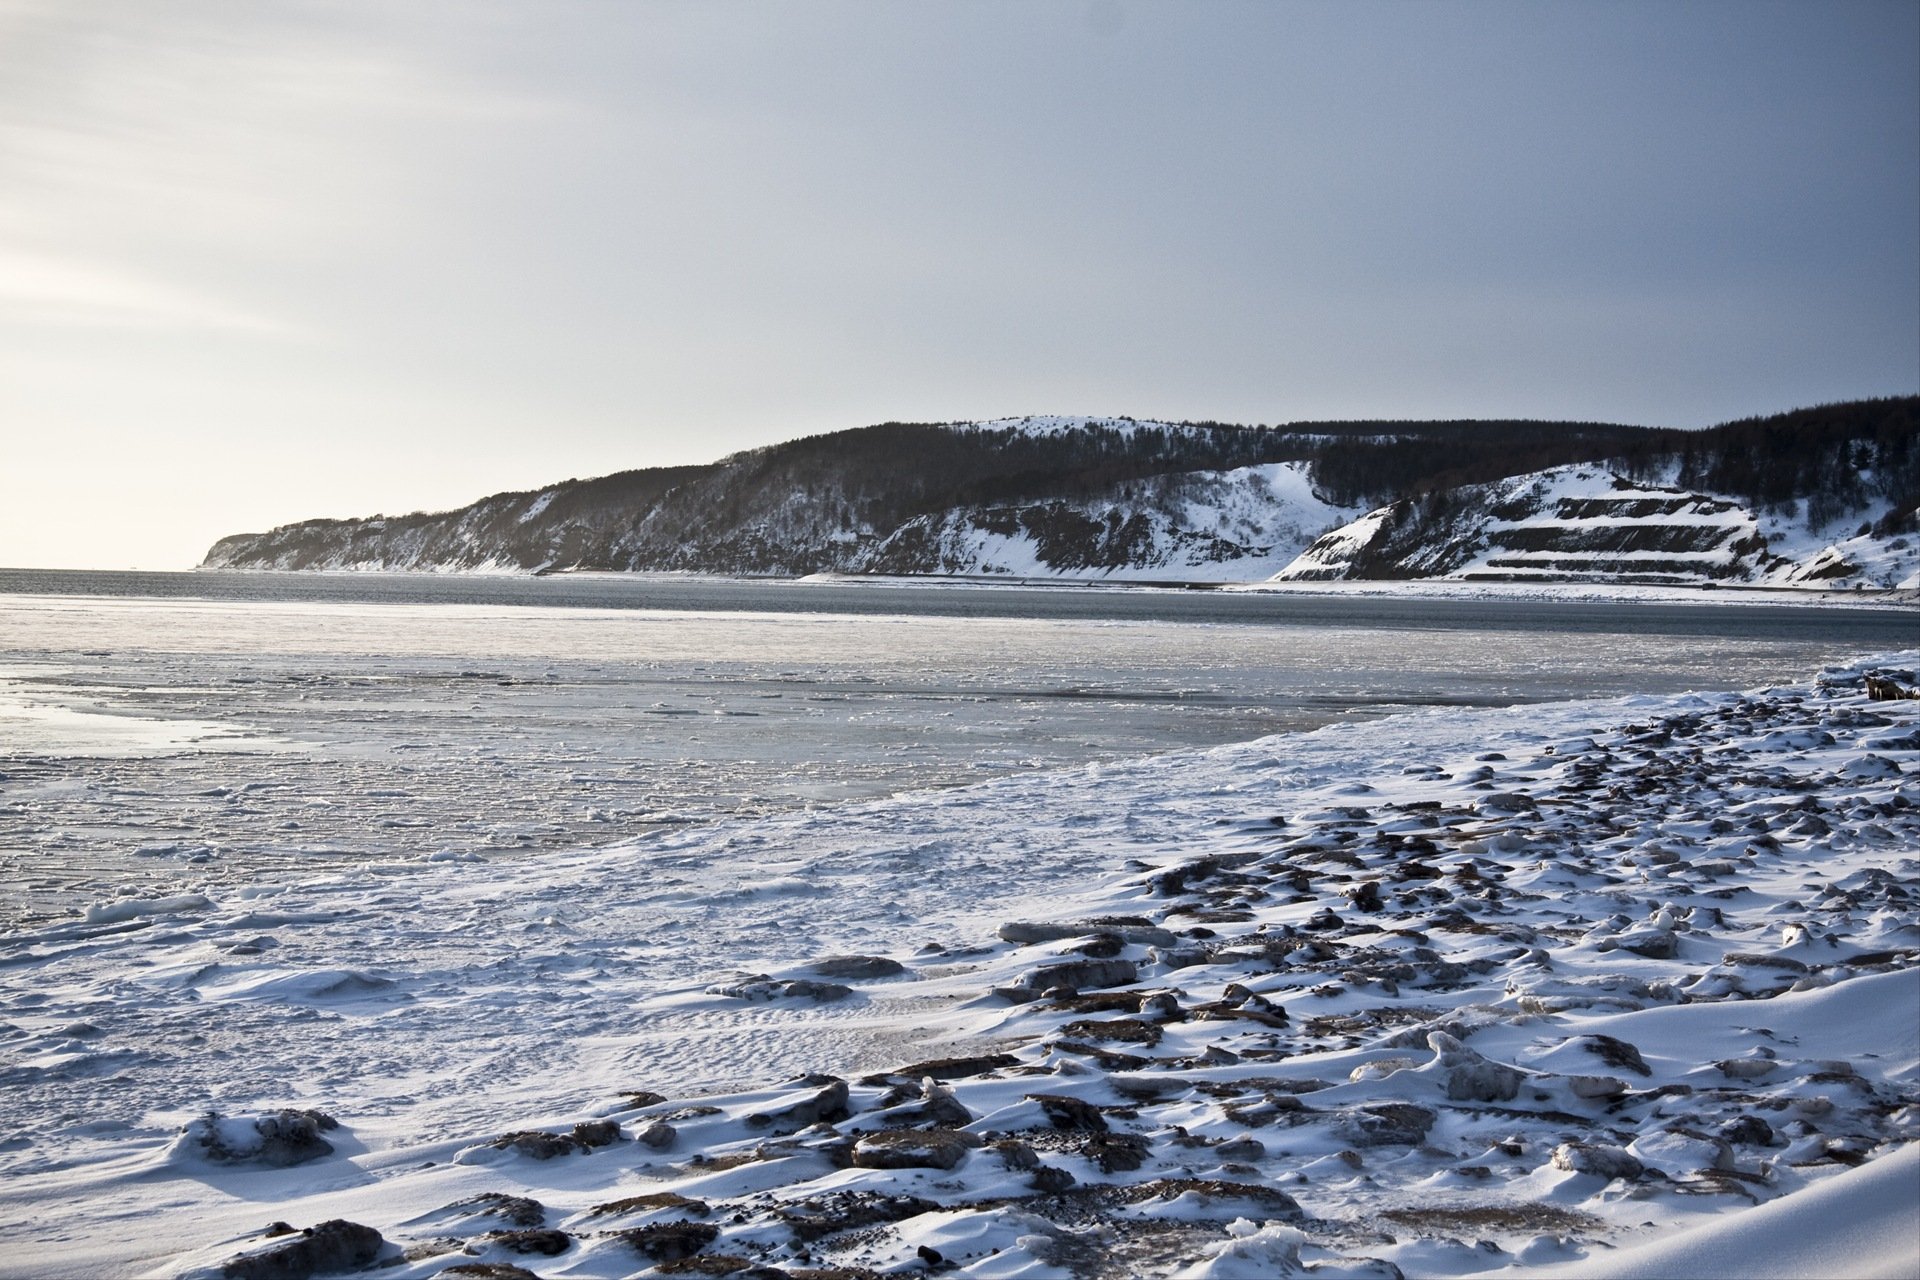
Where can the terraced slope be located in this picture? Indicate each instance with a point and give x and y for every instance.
(1587, 523)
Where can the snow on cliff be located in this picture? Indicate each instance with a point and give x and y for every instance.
(1584, 523)
(1219, 526)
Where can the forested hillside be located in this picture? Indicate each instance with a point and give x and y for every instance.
(1107, 497)
(1818, 497)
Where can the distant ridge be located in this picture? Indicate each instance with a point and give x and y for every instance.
(1822, 497)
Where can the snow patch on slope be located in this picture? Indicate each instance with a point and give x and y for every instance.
(1590, 523)
(1216, 526)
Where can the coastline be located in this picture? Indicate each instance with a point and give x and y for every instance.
(1169, 813)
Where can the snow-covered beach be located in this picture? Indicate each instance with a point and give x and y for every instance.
(1617, 984)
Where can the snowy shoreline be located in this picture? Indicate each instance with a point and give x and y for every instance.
(1431, 589)
(1425, 1075)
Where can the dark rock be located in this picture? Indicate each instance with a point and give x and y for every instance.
(489, 1271)
(829, 1105)
(760, 987)
(1077, 975)
(285, 1137)
(1107, 1059)
(825, 1214)
(1162, 1006)
(546, 1242)
(1117, 1152)
(937, 1108)
(634, 1099)
(1050, 1180)
(1654, 944)
(855, 968)
(671, 1241)
(537, 1144)
(1124, 1030)
(1509, 802)
(335, 1245)
(1386, 1124)
(1881, 689)
(515, 1211)
(1273, 1203)
(1128, 929)
(730, 1265)
(1616, 1053)
(1596, 1159)
(1470, 1076)
(652, 1201)
(1265, 1110)
(913, 1149)
(1748, 1131)
(1065, 1112)
(659, 1136)
(1101, 946)
(1015, 1154)
(594, 1134)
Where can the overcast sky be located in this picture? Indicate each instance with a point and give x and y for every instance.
(261, 261)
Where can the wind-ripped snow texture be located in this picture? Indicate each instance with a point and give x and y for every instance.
(1621, 987)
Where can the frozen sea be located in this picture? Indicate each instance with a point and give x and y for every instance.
(164, 733)
(450, 858)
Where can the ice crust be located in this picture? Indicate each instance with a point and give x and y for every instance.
(1453, 993)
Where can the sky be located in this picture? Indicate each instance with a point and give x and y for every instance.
(263, 260)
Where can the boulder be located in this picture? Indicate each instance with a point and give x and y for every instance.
(1597, 1159)
(1024, 933)
(1065, 1112)
(760, 987)
(833, 1211)
(1469, 1076)
(944, 1069)
(514, 1211)
(335, 1245)
(1881, 689)
(671, 1241)
(1386, 1124)
(828, 1104)
(1079, 975)
(855, 968)
(594, 1134)
(1615, 1053)
(276, 1139)
(937, 1108)
(913, 1149)
(544, 1241)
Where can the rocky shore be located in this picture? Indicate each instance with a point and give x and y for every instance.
(1489, 1012)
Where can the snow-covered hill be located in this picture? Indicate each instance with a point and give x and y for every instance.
(1209, 526)
(1817, 498)
(1587, 523)
(1031, 497)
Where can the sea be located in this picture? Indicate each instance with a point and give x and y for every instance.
(170, 732)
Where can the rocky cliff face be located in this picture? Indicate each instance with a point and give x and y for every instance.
(1819, 498)
(1590, 523)
(1100, 498)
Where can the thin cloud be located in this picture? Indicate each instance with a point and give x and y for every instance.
(39, 289)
